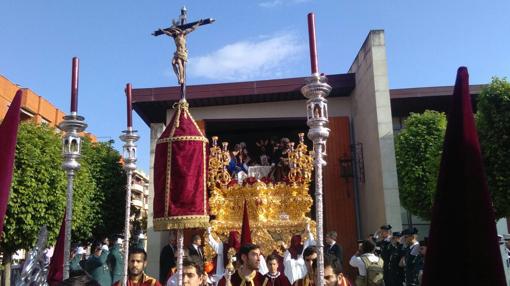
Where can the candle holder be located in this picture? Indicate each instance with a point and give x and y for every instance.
(72, 125)
(316, 90)
(129, 137)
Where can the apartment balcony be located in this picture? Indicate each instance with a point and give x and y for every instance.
(136, 188)
(137, 203)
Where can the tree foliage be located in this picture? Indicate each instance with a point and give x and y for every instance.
(38, 188)
(104, 163)
(418, 149)
(493, 122)
(38, 192)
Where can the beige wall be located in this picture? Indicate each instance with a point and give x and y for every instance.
(372, 122)
(155, 240)
(338, 106)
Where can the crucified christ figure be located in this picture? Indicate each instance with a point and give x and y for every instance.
(181, 53)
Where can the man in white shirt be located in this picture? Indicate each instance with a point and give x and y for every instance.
(363, 257)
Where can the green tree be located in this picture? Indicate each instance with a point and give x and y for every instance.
(493, 122)
(37, 192)
(418, 149)
(105, 166)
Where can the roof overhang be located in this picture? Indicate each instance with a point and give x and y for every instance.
(152, 103)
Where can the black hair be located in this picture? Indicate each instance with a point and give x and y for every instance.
(195, 237)
(79, 278)
(95, 245)
(271, 257)
(194, 261)
(245, 249)
(137, 250)
(309, 251)
(367, 246)
(333, 262)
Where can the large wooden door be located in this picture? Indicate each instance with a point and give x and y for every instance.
(339, 202)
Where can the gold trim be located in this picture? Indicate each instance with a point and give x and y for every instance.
(168, 176)
(182, 138)
(204, 146)
(181, 222)
(195, 123)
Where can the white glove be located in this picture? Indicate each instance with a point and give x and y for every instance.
(209, 230)
(80, 250)
(141, 236)
(119, 240)
(104, 247)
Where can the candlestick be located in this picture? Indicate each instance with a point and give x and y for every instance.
(313, 45)
(129, 106)
(316, 90)
(74, 86)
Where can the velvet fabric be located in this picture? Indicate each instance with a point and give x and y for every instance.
(463, 245)
(245, 230)
(180, 198)
(56, 268)
(233, 241)
(296, 247)
(8, 136)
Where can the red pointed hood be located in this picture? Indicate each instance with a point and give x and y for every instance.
(245, 229)
(462, 202)
(8, 138)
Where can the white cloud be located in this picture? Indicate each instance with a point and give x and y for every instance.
(274, 3)
(247, 60)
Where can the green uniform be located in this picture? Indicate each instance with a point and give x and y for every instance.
(74, 264)
(116, 262)
(97, 267)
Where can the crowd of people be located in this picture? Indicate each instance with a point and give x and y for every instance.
(385, 258)
(102, 260)
(390, 258)
(271, 153)
(294, 264)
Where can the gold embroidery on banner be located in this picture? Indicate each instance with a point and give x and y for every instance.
(204, 185)
(183, 138)
(161, 224)
(168, 177)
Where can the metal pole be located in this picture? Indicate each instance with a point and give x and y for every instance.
(127, 226)
(68, 219)
(72, 125)
(180, 250)
(319, 213)
(316, 91)
(129, 138)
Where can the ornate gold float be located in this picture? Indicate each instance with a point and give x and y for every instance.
(276, 210)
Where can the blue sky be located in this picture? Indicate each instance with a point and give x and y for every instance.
(251, 40)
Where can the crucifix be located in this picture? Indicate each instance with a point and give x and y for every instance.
(178, 31)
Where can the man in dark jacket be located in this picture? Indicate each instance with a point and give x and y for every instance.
(333, 248)
(167, 258)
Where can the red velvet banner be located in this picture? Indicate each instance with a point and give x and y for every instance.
(180, 198)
